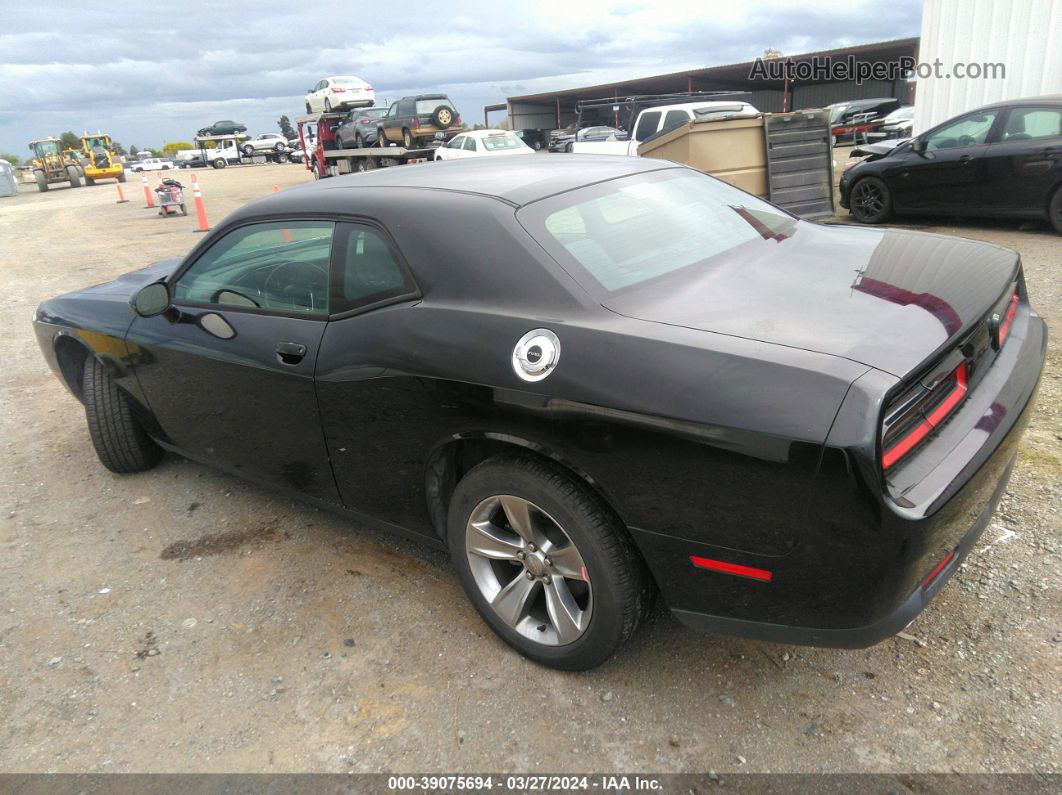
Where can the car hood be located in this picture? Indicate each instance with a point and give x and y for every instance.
(128, 283)
(890, 299)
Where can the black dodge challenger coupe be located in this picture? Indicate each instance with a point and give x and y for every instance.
(591, 378)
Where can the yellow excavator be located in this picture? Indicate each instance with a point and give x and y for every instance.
(98, 160)
(50, 165)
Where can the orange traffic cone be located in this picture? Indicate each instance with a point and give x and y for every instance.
(285, 233)
(200, 210)
(121, 196)
(147, 193)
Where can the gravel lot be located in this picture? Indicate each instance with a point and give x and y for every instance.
(182, 620)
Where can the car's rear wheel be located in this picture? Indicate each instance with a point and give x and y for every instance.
(407, 139)
(545, 562)
(1054, 210)
(871, 201)
(308, 108)
(328, 105)
(358, 142)
(120, 441)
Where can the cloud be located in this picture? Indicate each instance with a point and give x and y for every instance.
(148, 76)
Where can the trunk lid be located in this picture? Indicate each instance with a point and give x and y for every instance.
(891, 299)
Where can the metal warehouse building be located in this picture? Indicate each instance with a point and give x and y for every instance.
(556, 109)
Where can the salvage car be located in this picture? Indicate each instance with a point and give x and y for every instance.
(223, 127)
(416, 121)
(339, 93)
(622, 376)
(266, 142)
(1003, 160)
(359, 130)
(483, 143)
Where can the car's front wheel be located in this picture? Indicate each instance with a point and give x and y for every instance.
(545, 562)
(871, 201)
(120, 441)
(248, 150)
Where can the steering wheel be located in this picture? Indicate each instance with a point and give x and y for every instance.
(966, 140)
(284, 280)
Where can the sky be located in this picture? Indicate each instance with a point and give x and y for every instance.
(150, 73)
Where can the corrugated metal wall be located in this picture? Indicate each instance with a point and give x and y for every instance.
(822, 94)
(1024, 35)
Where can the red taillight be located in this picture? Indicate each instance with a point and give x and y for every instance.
(457, 119)
(1008, 321)
(940, 567)
(363, 120)
(416, 122)
(368, 88)
(934, 419)
(731, 568)
(337, 90)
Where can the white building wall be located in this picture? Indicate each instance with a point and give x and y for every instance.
(1025, 35)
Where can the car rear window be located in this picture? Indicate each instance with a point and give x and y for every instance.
(348, 81)
(428, 106)
(496, 143)
(625, 232)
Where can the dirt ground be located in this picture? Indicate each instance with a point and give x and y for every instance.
(183, 620)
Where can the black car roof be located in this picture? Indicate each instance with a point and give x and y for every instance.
(516, 180)
(1047, 99)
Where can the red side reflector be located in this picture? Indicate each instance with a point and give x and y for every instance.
(940, 413)
(1008, 321)
(731, 568)
(940, 567)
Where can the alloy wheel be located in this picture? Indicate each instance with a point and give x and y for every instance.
(869, 199)
(528, 570)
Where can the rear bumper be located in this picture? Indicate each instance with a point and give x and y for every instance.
(852, 637)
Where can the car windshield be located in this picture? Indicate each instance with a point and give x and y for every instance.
(901, 114)
(425, 106)
(375, 113)
(625, 232)
(496, 143)
(836, 111)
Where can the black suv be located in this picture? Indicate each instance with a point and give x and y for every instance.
(414, 121)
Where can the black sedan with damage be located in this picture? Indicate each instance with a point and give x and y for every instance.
(592, 379)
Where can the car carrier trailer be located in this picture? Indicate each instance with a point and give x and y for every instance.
(225, 152)
(317, 135)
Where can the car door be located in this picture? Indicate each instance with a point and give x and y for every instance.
(1024, 161)
(228, 369)
(390, 122)
(361, 406)
(317, 96)
(947, 173)
(454, 147)
(472, 146)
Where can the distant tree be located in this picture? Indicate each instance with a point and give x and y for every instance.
(176, 146)
(69, 140)
(284, 123)
(133, 150)
(479, 126)
(10, 158)
(117, 148)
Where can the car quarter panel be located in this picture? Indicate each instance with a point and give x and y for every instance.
(686, 433)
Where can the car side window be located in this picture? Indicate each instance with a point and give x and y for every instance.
(280, 266)
(367, 270)
(1027, 123)
(647, 125)
(470, 144)
(969, 131)
(673, 119)
(392, 111)
(456, 143)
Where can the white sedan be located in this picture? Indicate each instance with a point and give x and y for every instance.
(266, 142)
(150, 164)
(339, 93)
(483, 143)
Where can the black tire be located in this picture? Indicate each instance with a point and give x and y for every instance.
(220, 163)
(537, 146)
(121, 175)
(74, 176)
(1054, 210)
(248, 150)
(308, 109)
(871, 201)
(442, 117)
(327, 105)
(381, 139)
(280, 147)
(42, 181)
(120, 442)
(407, 140)
(89, 180)
(183, 210)
(622, 588)
(358, 142)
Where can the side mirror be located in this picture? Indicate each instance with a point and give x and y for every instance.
(152, 300)
(918, 145)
